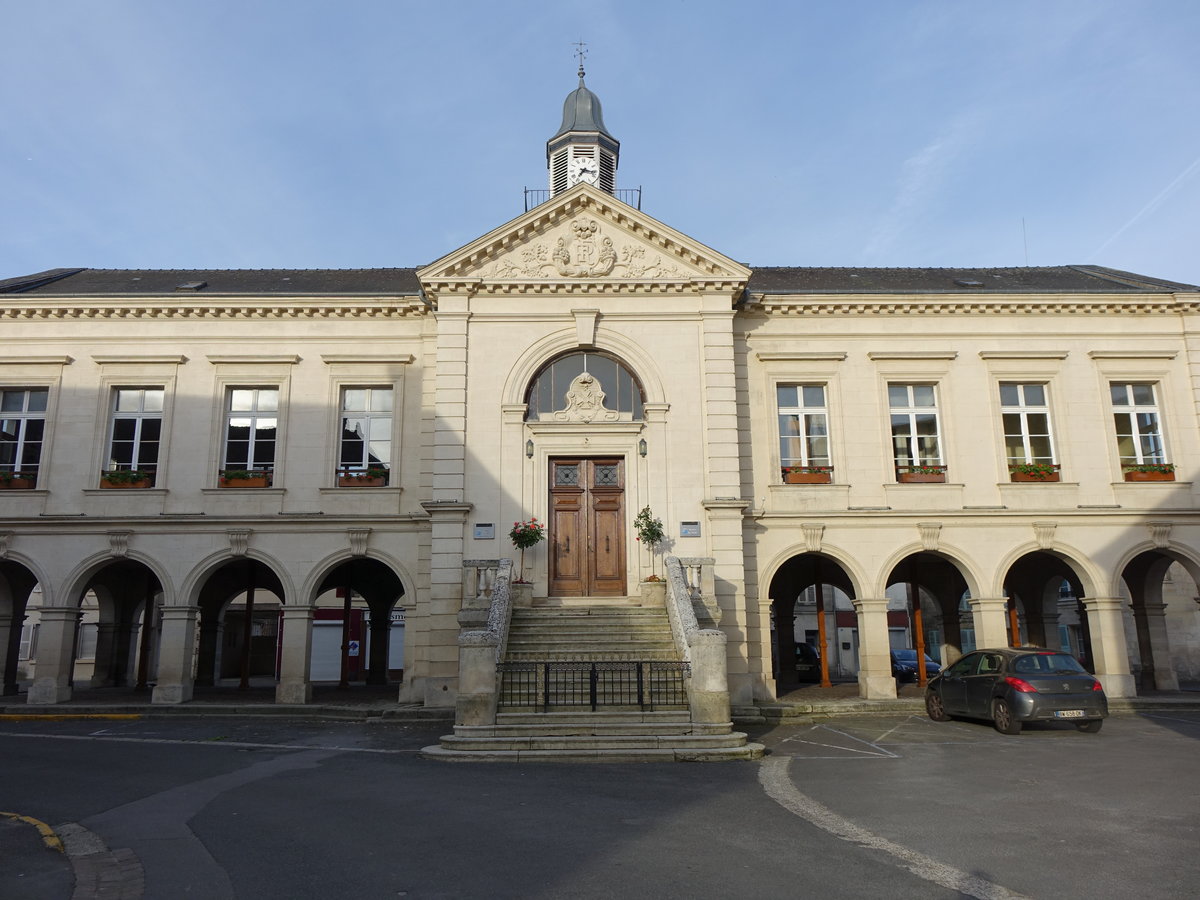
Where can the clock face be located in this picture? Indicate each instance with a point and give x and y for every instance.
(582, 169)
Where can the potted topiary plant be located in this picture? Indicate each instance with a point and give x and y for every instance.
(807, 474)
(1150, 472)
(1037, 471)
(525, 535)
(126, 478)
(650, 533)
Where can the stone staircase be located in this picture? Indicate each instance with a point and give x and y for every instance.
(614, 637)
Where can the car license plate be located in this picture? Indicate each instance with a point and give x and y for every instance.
(1069, 714)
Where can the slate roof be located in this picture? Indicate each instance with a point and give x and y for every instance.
(1021, 280)
(128, 282)
(769, 280)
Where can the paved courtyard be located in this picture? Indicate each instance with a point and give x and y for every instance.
(889, 806)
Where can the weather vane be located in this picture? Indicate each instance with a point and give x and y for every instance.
(581, 52)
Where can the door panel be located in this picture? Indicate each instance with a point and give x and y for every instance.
(587, 527)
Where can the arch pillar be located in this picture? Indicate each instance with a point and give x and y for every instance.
(379, 636)
(1107, 627)
(10, 648)
(296, 656)
(990, 615)
(56, 655)
(875, 681)
(1151, 620)
(176, 645)
(103, 674)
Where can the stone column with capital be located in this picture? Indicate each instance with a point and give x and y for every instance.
(295, 656)
(56, 655)
(173, 682)
(990, 615)
(1153, 625)
(103, 672)
(875, 681)
(1106, 624)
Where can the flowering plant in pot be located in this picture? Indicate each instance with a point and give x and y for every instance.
(126, 478)
(1149, 472)
(650, 533)
(525, 535)
(249, 478)
(807, 474)
(17, 481)
(1037, 471)
(920, 473)
(371, 476)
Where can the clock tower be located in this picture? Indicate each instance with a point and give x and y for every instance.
(582, 149)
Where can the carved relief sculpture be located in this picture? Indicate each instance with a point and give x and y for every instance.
(585, 252)
(585, 402)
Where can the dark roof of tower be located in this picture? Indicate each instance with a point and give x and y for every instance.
(581, 112)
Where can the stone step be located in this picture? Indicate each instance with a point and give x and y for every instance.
(537, 742)
(592, 755)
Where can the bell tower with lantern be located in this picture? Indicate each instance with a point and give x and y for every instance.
(582, 149)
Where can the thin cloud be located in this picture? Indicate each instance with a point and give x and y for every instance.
(922, 176)
(1158, 200)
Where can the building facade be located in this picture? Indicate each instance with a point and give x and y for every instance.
(209, 462)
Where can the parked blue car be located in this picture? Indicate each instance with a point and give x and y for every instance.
(904, 665)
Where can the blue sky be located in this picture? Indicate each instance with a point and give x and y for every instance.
(362, 133)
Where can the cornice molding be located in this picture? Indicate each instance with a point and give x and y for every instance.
(83, 308)
(106, 359)
(918, 305)
(36, 360)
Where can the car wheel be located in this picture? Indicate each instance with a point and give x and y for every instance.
(1090, 727)
(1003, 718)
(936, 708)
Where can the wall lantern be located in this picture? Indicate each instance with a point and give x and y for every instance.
(642, 448)
(529, 449)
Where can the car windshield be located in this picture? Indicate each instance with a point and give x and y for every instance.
(1048, 664)
(905, 655)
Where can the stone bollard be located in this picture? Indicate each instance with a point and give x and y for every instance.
(476, 703)
(710, 686)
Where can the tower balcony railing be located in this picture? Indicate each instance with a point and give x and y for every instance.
(538, 196)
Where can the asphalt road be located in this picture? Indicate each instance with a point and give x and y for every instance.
(894, 807)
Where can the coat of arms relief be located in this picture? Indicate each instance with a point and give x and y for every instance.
(584, 251)
(585, 402)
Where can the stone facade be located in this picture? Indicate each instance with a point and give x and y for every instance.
(713, 348)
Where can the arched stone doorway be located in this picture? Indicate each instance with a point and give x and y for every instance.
(925, 594)
(128, 595)
(365, 582)
(811, 598)
(240, 606)
(16, 584)
(1145, 576)
(1046, 605)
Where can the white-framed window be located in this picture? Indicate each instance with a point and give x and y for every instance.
(136, 428)
(1137, 421)
(916, 436)
(85, 643)
(366, 421)
(803, 425)
(251, 428)
(1025, 412)
(28, 648)
(22, 429)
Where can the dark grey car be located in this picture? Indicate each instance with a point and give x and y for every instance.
(1014, 685)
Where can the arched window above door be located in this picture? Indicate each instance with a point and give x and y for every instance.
(584, 386)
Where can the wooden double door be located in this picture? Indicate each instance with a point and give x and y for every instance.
(587, 527)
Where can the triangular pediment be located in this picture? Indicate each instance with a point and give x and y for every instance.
(583, 235)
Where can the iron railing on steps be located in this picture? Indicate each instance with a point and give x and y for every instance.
(646, 684)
